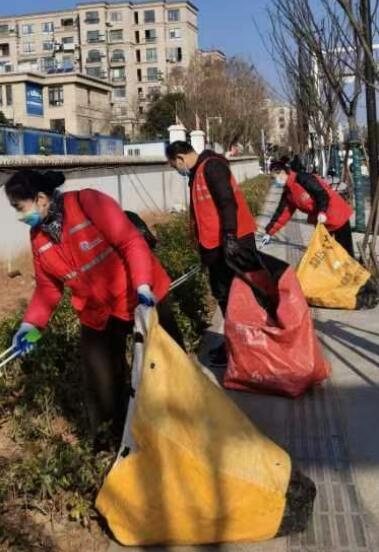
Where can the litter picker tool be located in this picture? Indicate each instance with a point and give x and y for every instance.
(13, 352)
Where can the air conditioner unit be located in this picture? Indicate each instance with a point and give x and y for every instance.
(12, 28)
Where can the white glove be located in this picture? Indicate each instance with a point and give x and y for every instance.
(265, 241)
(322, 218)
(146, 297)
(19, 342)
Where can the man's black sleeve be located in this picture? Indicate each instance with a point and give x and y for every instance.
(218, 176)
(315, 190)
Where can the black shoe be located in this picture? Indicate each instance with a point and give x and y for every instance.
(218, 357)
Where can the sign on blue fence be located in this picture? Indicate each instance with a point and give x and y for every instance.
(34, 99)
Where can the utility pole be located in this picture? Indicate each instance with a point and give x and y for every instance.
(370, 99)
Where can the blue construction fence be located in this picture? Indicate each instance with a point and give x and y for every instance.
(31, 141)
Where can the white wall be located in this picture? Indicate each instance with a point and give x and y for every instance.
(145, 187)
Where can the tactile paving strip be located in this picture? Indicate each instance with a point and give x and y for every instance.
(316, 441)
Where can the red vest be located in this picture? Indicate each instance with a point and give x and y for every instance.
(92, 268)
(206, 214)
(338, 212)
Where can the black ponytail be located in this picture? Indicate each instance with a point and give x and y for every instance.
(27, 184)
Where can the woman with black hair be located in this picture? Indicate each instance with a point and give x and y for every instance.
(312, 195)
(83, 240)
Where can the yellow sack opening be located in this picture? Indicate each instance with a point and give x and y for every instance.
(329, 277)
(202, 472)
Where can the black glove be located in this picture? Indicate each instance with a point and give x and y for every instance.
(231, 248)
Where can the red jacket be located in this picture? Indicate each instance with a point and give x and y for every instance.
(311, 195)
(207, 217)
(101, 256)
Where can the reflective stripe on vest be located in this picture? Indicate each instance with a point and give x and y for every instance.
(44, 248)
(89, 265)
(79, 227)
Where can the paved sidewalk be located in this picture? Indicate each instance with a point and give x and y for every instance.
(331, 431)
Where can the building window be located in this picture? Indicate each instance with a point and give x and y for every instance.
(140, 109)
(174, 55)
(118, 74)
(48, 45)
(4, 50)
(151, 55)
(282, 126)
(119, 92)
(94, 36)
(5, 67)
(48, 27)
(136, 18)
(173, 15)
(153, 92)
(55, 95)
(138, 56)
(116, 16)
(118, 56)
(28, 47)
(139, 75)
(116, 36)
(67, 22)
(152, 73)
(68, 63)
(8, 94)
(150, 35)
(27, 29)
(149, 16)
(174, 34)
(94, 56)
(68, 40)
(58, 124)
(136, 34)
(1, 95)
(47, 63)
(94, 72)
(4, 29)
(92, 17)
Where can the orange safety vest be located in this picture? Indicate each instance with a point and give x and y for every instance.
(338, 211)
(206, 215)
(84, 261)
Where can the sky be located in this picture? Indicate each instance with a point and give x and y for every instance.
(226, 25)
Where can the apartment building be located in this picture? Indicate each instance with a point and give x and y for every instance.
(69, 102)
(281, 119)
(131, 45)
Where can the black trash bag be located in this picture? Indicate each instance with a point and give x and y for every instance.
(143, 228)
(368, 295)
(300, 497)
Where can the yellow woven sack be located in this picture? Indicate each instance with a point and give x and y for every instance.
(329, 277)
(202, 472)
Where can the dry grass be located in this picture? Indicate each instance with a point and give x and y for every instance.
(15, 292)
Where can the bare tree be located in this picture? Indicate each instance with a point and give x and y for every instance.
(227, 98)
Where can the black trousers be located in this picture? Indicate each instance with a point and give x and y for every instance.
(106, 373)
(344, 237)
(221, 275)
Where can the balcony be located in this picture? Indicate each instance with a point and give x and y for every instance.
(119, 80)
(92, 20)
(92, 60)
(95, 40)
(117, 61)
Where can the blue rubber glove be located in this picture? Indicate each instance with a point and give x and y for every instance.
(145, 296)
(19, 341)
